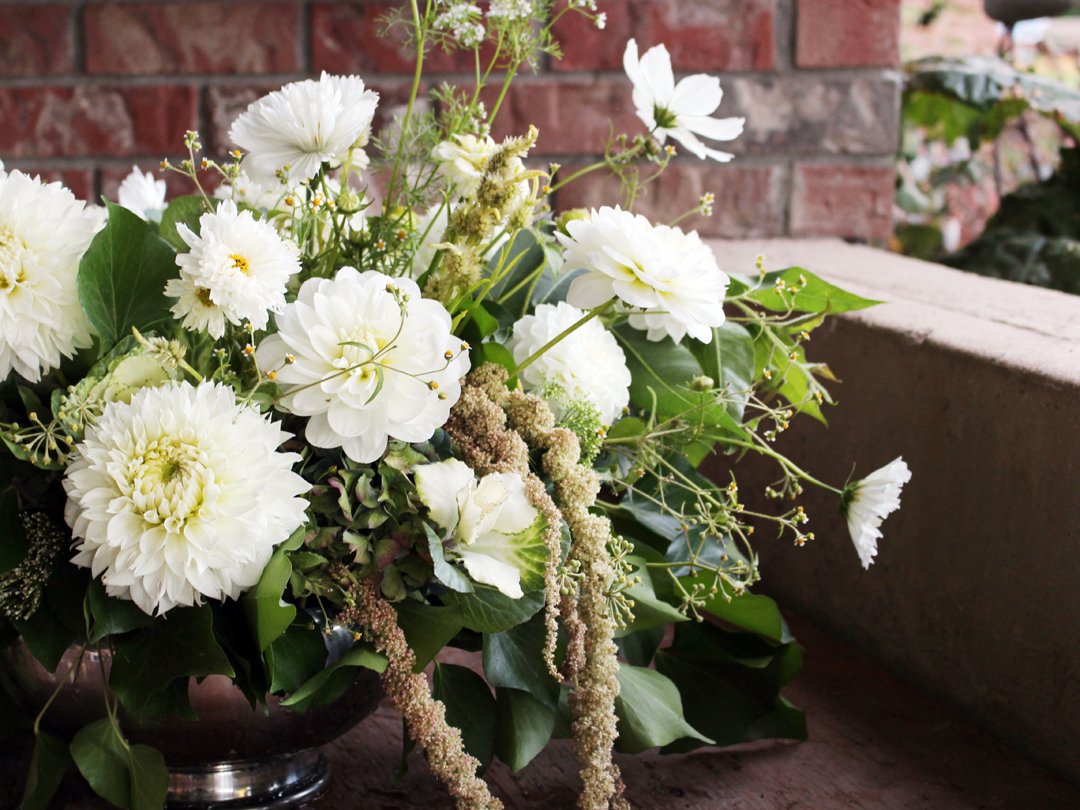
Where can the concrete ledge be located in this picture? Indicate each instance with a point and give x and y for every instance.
(976, 382)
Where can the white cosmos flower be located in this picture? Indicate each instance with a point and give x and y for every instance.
(305, 124)
(236, 270)
(364, 371)
(44, 232)
(679, 110)
(181, 494)
(486, 521)
(671, 275)
(868, 502)
(142, 194)
(588, 364)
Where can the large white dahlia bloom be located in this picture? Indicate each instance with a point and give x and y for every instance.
(44, 232)
(142, 194)
(588, 364)
(236, 270)
(487, 523)
(305, 124)
(869, 501)
(682, 110)
(671, 276)
(181, 494)
(368, 360)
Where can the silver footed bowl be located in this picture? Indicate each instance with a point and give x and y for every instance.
(232, 757)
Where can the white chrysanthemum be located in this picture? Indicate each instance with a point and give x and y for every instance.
(305, 124)
(679, 110)
(671, 275)
(236, 270)
(142, 194)
(44, 232)
(588, 363)
(868, 502)
(362, 370)
(463, 163)
(181, 494)
(486, 522)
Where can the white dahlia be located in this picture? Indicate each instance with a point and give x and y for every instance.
(236, 270)
(588, 364)
(487, 524)
(682, 110)
(44, 232)
(364, 368)
(670, 275)
(181, 494)
(306, 124)
(463, 163)
(142, 194)
(868, 502)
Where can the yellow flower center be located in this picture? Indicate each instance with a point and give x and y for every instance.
(12, 247)
(357, 350)
(167, 481)
(240, 263)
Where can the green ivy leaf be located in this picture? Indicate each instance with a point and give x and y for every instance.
(729, 361)
(180, 644)
(330, 684)
(296, 656)
(122, 277)
(514, 659)
(525, 727)
(814, 293)
(187, 210)
(427, 628)
(751, 611)
(48, 764)
(487, 610)
(268, 614)
(639, 647)
(59, 621)
(649, 711)
(470, 707)
(131, 776)
(112, 616)
(649, 611)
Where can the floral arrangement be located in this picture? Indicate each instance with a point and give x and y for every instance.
(373, 378)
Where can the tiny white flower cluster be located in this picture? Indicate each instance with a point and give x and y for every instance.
(463, 21)
(511, 10)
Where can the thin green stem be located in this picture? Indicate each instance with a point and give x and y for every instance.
(412, 101)
(592, 313)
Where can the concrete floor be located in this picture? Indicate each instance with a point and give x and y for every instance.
(876, 744)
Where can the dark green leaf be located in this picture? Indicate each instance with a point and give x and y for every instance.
(751, 611)
(514, 659)
(649, 611)
(487, 610)
(638, 648)
(525, 727)
(470, 707)
(296, 656)
(427, 628)
(122, 277)
(113, 616)
(59, 621)
(47, 766)
(14, 545)
(650, 711)
(133, 776)
(149, 778)
(330, 684)
(180, 644)
(268, 614)
(186, 210)
(729, 361)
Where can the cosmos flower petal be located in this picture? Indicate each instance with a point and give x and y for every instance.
(869, 502)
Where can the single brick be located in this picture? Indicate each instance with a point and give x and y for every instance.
(700, 35)
(35, 40)
(808, 114)
(572, 116)
(749, 199)
(834, 199)
(96, 120)
(80, 181)
(848, 33)
(176, 184)
(192, 38)
(347, 38)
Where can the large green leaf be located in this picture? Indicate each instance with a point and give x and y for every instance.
(525, 727)
(470, 707)
(47, 766)
(750, 611)
(729, 361)
(649, 711)
(814, 294)
(180, 644)
(296, 656)
(427, 628)
(112, 616)
(649, 610)
(514, 659)
(487, 610)
(639, 647)
(329, 684)
(187, 210)
(122, 277)
(59, 621)
(131, 776)
(268, 614)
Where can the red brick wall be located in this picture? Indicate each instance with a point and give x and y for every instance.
(87, 88)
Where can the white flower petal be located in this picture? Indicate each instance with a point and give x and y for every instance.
(438, 486)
